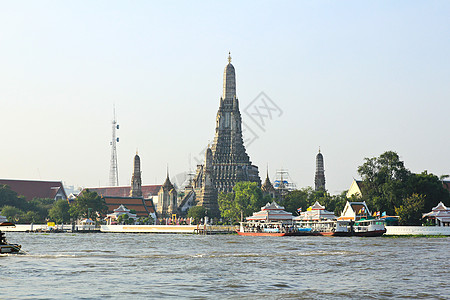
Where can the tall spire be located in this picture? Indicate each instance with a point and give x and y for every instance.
(319, 179)
(229, 81)
(136, 181)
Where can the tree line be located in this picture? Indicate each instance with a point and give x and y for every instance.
(39, 210)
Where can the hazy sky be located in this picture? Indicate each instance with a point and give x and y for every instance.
(356, 78)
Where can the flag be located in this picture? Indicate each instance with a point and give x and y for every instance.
(309, 208)
(378, 213)
(299, 209)
(383, 214)
(374, 214)
(359, 212)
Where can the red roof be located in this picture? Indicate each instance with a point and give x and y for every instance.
(142, 207)
(124, 191)
(31, 189)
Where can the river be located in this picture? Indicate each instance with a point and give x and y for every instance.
(149, 266)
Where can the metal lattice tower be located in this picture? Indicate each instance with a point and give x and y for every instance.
(114, 171)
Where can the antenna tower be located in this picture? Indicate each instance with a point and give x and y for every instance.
(114, 171)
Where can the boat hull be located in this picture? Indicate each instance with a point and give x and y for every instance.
(262, 233)
(5, 249)
(365, 233)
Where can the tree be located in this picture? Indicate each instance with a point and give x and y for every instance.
(60, 211)
(13, 214)
(41, 207)
(297, 199)
(246, 198)
(197, 213)
(227, 207)
(384, 181)
(431, 187)
(9, 197)
(410, 212)
(88, 200)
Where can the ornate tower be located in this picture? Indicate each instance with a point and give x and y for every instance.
(268, 188)
(320, 173)
(206, 192)
(136, 181)
(230, 162)
(167, 199)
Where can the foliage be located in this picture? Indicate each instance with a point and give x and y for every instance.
(388, 186)
(431, 186)
(384, 179)
(246, 198)
(13, 214)
(88, 200)
(306, 197)
(60, 211)
(410, 212)
(10, 198)
(125, 220)
(197, 213)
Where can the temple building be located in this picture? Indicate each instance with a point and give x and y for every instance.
(228, 162)
(268, 188)
(167, 199)
(136, 181)
(319, 179)
(141, 199)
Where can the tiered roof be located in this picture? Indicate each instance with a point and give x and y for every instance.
(271, 212)
(440, 212)
(316, 212)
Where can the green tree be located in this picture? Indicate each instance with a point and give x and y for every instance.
(13, 214)
(10, 198)
(197, 213)
(410, 212)
(227, 207)
(297, 199)
(60, 211)
(246, 198)
(431, 187)
(384, 181)
(41, 207)
(88, 200)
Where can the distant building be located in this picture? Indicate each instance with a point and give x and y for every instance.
(167, 199)
(31, 189)
(354, 211)
(319, 179)
(135, 197)
(136, 181)
(440, 215)
(355, 189)
(268, 189)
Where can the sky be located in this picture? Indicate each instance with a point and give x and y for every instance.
(355, 78)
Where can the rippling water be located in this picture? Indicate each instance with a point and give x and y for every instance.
(133, 266)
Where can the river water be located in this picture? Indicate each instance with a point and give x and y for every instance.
(138, 266)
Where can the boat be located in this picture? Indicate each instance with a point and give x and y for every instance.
(322, 222)
(5, 246)
(272, 220)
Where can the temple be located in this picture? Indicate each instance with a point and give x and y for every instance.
(319, 179)
(226, 161)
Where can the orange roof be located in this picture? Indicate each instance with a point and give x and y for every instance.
(142, 207)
